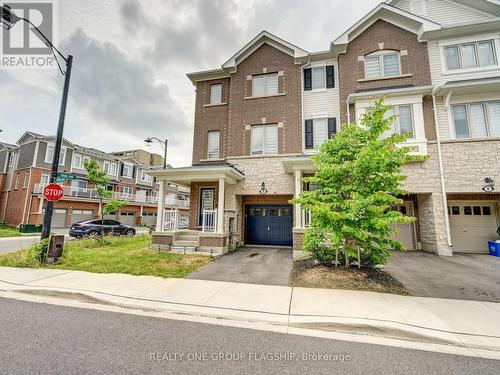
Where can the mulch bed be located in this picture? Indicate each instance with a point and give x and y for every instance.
(307, 274)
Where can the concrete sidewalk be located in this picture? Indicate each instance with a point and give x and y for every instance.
(455, 326)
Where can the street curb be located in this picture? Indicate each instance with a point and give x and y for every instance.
(312, 325)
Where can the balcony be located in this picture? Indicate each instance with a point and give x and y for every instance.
(91, 194)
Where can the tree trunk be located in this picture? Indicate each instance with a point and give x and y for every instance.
(359, 258)
(346, 254)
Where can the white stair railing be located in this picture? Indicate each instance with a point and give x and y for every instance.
(306, 214)
(170, 220)
(209, 220)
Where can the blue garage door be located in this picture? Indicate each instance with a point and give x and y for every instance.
(269, 225)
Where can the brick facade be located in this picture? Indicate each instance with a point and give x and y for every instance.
(415, 69)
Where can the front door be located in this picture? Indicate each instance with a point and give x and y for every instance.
(269, 225)
(206, 202)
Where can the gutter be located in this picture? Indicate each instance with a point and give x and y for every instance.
(441, 170)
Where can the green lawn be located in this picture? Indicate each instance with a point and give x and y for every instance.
(129, 255)
(8, 231)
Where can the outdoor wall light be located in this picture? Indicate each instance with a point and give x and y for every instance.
(263, 189)
(490, 185)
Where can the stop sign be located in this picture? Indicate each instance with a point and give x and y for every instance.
(53, 192)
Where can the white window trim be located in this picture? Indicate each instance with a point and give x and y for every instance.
(210, 99)
(147, 177)
(132, 169)
(469, 40)
(265, 85)
(208, 145)
(264, 139)
(381, 55)
(312, 78)
(16, 182)
(25, 181)
(467, 110)
(111, 165)
(63, 149)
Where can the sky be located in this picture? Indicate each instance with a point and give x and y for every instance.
(131, 58)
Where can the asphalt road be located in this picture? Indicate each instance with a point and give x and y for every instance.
(48, 339)
(10, 244)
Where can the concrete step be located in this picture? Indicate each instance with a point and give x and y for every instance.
(181, 243)
(186, 237)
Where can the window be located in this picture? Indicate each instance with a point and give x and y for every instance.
(213, 144)
(470, 55)
(105, 166)
(264, 140)
(11, 160)
(25, 182)
(16, 186)
(128, 171)
(145, 177)
(216, 94)
(113, 169)
(403, 123)
(265, 84)
(79, 184)
(126, 190)
(476, 120)
(486, 210)
(319, 77)
(49, 154)
(77, 161)
(318, 130)
(44, 180)
(382, 65)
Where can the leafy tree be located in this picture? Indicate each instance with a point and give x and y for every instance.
(99, 180)
(358, 178)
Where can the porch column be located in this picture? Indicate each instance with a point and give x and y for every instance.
(161, 207)
(220, 207)
(298, 190)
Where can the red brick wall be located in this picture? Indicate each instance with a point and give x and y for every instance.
(208, 118)
(416, 62)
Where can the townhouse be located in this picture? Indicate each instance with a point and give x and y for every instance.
(260, 116)
(25, 171)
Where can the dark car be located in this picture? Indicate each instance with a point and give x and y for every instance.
(93, 228)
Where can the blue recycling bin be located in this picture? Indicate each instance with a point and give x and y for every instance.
(494, 248)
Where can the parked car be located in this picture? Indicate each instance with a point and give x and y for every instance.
(93, 228)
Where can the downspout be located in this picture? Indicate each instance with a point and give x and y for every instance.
(441, 170)
(348, 109)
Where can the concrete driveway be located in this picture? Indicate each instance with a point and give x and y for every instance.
(462, 276)
(253, 265)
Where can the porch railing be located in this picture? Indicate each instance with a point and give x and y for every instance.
(175, 219)
(84, 193)
(306, 214)
(209, 220)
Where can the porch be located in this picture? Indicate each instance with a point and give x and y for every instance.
(206, 227)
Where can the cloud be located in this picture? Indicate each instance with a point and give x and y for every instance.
(121, 95)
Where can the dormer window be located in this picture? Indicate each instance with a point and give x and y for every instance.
(382, 64)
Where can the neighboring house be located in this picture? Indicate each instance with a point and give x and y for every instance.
(25, 171)
(142, 156)
(261, 115)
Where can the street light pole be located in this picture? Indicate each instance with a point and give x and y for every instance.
(47, 217)
(8, 19)
(165, 146)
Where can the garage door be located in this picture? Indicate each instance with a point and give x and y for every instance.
(127, 218)
(269, 225)
(149, 218)
(406, 233)
(59, 218)
(82, 215)
(472, 225)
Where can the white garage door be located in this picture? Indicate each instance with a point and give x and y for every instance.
(82, 215)
(472, 225)
(406, 233)
(127, 218)
(149, 218)
(59, 218)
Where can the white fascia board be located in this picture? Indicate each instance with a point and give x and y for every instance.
(261, 38)
(390, 14)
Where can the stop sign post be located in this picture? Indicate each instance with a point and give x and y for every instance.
(53, 192)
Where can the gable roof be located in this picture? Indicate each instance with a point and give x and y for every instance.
(264, 37)
(489, 6)
(383, 11)
(259, 40)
